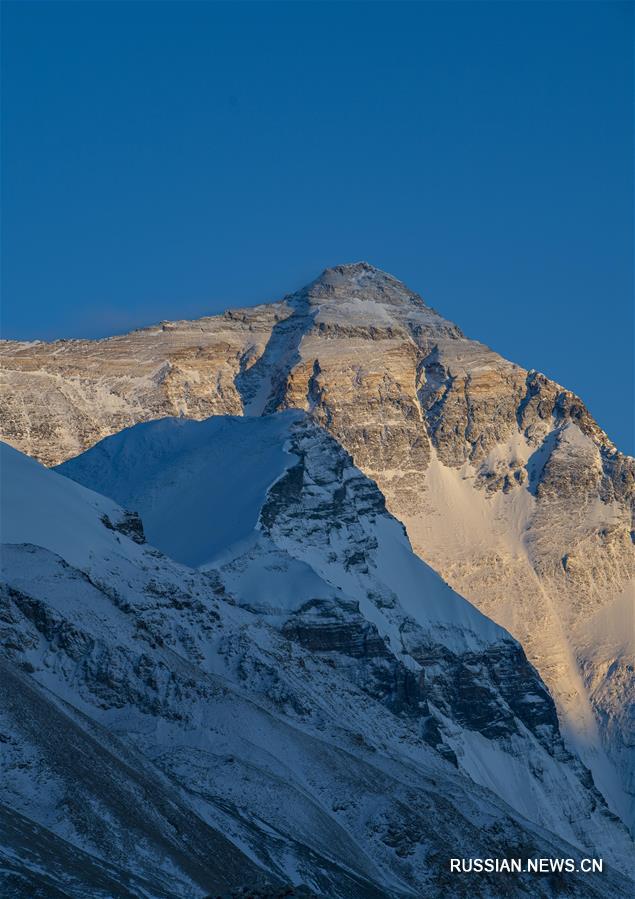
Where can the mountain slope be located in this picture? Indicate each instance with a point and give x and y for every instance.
(467, 683)
(57, 399)
(505, 483)
(240, 721)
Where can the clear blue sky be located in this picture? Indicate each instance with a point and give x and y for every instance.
(172, 159)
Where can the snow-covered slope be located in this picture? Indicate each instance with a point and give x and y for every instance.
(175, 473)
(162, 740)
(332, 570)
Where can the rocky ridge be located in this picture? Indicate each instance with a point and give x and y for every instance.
(134, 688)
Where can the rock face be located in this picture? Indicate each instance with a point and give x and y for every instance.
(503, 480)
(58, 399)
(297, 712)
(505, 483)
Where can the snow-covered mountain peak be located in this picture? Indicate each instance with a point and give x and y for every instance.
(503, 480)
(359, 282)
(361, 276)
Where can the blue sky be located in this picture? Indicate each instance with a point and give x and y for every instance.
(166, 160)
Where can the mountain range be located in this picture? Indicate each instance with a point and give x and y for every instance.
(308, 576)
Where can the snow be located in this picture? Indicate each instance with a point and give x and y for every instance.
(469, 518)
(608, 634)
(269, 580)
(423, 594)
(198, 485)
(48, 510)
(507, 776)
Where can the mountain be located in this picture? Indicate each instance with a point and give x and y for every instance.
(298, 710)
(504, 482)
